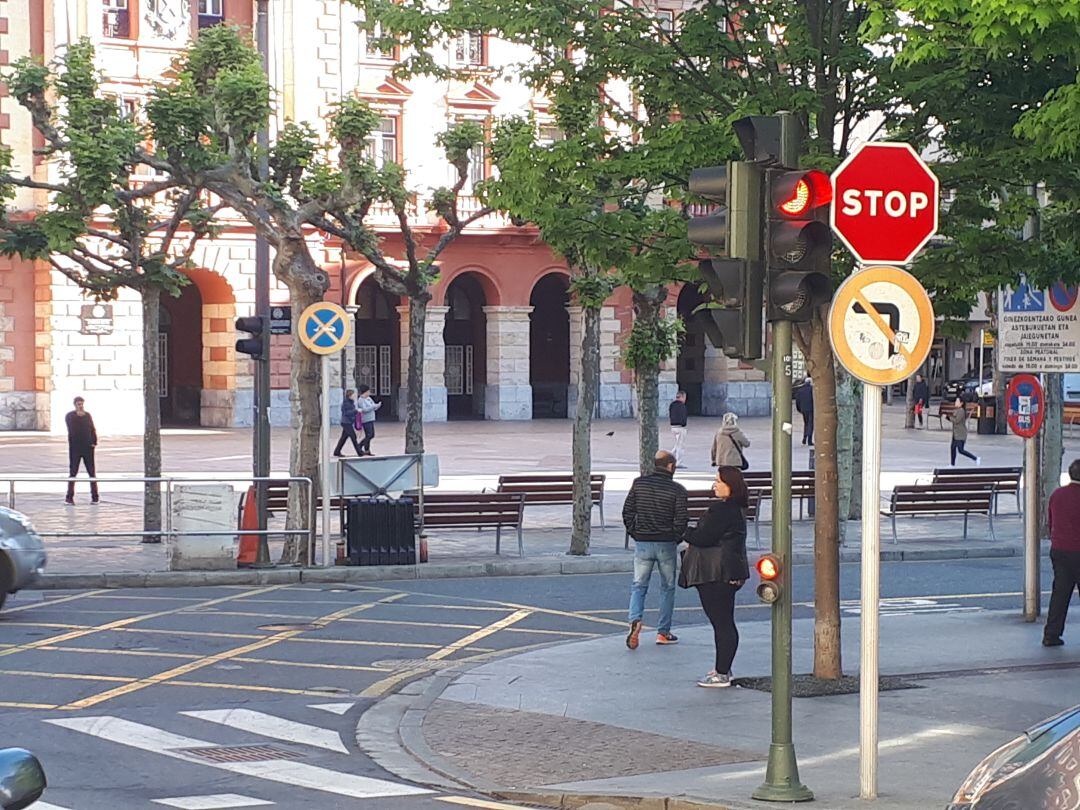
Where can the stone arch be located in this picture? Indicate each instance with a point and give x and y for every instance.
(482, 276)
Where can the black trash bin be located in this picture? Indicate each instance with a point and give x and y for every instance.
(987, 416)
(381, 531)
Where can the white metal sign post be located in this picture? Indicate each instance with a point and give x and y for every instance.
(325, 329)
(881, 324)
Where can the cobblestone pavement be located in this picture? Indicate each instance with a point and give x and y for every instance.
(471, 455)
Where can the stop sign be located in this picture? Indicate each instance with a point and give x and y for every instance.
(885, 203)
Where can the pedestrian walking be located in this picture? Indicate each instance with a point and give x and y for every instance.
(367, 407)
(804, 404)
(959, 417)
(1063, 517)
(655, 515)
(348, 423)
(82, 439)
(677, 416)
(715, 564)
(728, 444)
(921, 396)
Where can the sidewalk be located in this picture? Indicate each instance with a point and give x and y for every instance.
(592, 718)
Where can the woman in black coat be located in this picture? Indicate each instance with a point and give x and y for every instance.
(715, 563)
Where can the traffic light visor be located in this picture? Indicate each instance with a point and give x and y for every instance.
(768, 567)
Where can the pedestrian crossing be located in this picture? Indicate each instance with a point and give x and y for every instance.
(265, 750)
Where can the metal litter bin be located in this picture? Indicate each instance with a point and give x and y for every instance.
(987, 424)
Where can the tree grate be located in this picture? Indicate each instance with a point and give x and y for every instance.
(240, 753)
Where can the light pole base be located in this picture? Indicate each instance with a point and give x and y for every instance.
(782, 778)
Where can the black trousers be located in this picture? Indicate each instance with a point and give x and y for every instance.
(718, 602)
(958, 447)
(348, 432)
(1066, 579)
(369, 434)
(808, 428)
(81, 454)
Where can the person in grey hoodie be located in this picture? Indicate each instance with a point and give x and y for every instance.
(348, 424)
(728, 443)
(959, 417)
(367, 407)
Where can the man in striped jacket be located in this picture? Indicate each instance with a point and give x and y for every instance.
(655, 516)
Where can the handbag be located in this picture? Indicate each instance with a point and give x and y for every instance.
(744, 465)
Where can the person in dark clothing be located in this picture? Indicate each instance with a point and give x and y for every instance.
(920, 394)
(348, 424)
(655, 515)
(804, 404)
(715, 563)
(677, 415)
(82, 439)
(1063, 517)
(959, 417)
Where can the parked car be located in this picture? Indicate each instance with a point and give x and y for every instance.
(22, 553)
(968, 387)
(1039, 770)
(22, 779)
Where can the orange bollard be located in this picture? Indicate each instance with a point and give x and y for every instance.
(249, 519)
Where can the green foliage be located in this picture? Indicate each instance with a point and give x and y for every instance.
(27, 78)
(652, 341)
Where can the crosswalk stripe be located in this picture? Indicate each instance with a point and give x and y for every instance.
(47, 806)
(278, 728)
(219, 801)
(333, 708)
(483, 804)
(297, 774)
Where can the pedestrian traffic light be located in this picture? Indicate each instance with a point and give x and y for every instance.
(768, 568)
(256, 345)
(798, 243)
(732, 233)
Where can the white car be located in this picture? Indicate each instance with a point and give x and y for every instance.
(22, 553)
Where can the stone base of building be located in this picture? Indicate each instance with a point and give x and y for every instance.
(508, 402)
(221, 409)
(434, 404)
(615, 401)
(24, 410)
(740, 398)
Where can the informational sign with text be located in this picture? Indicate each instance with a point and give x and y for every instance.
(1039, 330)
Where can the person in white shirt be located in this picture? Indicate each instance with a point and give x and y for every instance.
(366, 407)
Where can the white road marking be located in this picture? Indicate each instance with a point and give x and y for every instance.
(334, 708)
(219, 801)
(297, 774)
(47, 806)
(483, 804)
(278, 728)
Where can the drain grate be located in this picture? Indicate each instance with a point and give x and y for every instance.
(240, 753)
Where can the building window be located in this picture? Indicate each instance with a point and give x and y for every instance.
(547, 134)
(369, 51)
(382, 147)
(211, 13)
(666, 19)
(469, 49)
(116, 19)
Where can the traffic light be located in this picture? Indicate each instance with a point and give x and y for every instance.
(798, 243)
(256, 345)
(768, 568)
(732, 319)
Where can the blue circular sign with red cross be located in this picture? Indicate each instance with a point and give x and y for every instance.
(1025, 405)
(1063, 296)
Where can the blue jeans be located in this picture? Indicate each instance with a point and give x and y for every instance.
(663, 556)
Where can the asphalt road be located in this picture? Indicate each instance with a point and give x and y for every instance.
(244, 697)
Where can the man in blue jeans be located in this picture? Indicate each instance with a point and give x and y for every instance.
(655, 516)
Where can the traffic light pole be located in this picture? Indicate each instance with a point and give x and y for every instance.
(261, 435)
(782, 771)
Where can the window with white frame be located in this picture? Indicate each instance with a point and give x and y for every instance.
(116, 18)
(477, 159)
(382, 142)
(369, 50)
(666, 19)
(467, 49)
(548, 133)
(211, 13)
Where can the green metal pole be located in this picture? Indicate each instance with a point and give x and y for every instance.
(782, 771)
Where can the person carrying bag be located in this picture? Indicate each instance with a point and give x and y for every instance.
(728, 444)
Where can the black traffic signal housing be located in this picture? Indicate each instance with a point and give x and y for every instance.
(735, 277)
(770, 572)
(257, 346)
(798, 243)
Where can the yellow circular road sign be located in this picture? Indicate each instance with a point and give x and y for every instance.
(881, 324)
(324, 328)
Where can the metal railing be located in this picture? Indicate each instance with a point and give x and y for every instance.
(9, 484)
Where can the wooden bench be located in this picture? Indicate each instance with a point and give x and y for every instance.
(760, 485)
(697, 503)
(1005, 480)
(945, 409)
(551, 489)
(942, 499)
(1070, 415)
(476, 510)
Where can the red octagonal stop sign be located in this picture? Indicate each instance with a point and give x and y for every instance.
(885, 203)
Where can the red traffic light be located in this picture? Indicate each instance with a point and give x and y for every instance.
(797, 194)
(768, 567)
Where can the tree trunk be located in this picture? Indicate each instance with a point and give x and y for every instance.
(647, 307)
(307, 284)
(819, 362)
(151, 301)
(588, 388)
(1053, 450)
(414, 386)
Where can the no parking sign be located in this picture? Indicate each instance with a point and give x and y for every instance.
(1025, 405)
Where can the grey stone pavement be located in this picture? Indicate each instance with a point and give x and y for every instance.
(471, 456)
(981, 679)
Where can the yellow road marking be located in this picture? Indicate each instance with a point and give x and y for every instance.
(121, 623)
(302, 618)
(10, 704)
(48, 602)
(50, 625)
(196, 656)
(210, 660)
(408, 645)
(138, 653)
(66, 676)
(483, 804)
(245, 687)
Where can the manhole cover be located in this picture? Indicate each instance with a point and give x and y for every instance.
(240, 753)
(279, 628)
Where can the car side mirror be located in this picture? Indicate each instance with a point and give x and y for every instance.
(22, 779)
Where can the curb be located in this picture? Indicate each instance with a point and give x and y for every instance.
(591, 801)
(510, 568)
